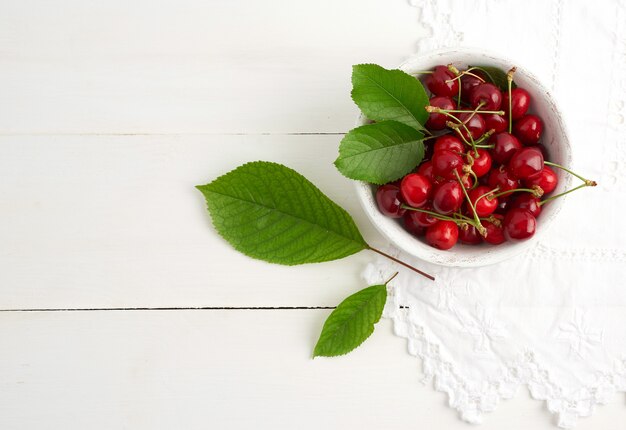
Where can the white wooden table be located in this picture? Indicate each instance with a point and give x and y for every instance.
(121, 307)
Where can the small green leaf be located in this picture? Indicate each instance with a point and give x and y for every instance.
(351, 322)
(271, 212)
(497, 76)
(389, 95)
(381, 152)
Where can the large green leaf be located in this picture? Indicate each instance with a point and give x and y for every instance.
(389, 95)
(271, 212)
(351, 322)
(381, 152)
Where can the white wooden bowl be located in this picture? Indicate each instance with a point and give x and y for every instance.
(554, 138)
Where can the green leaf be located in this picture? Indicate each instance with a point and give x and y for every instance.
(381, 152)
(271, 212)
(497, 76)
(389, 95)
(351, 322)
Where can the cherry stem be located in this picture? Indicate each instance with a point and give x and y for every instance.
(390, 279)
(426, 211)
(436, 109)
(509, 80)
(436, 136)
(465, 72)
(587, 182)
(424, 72)
(402, 263)
(482, 230)
(566, 192)
(535, 191)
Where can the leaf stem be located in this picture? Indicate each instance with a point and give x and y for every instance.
(402, 263)
(390, 279)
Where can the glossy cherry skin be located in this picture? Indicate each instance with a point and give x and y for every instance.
(388, 199)
(519, 224)
(482, 164)
(520, 102)
(504, 204)
(415, 189)
(437, 121)
(448, 197)
(484, 206)
(442, 83)
(468, 83)
(494, 122)
(526, 162)
(502, 179)
(423, 219)
(450, 143)
(528, 129)
(467, 181)
(495, 233)
(470, 235)
(505, 146)
(446, 162)
(411, 226)
(442, 235)
(527, 201)
(426, 169)
(546, 179)
(474, 123)
(488, 94)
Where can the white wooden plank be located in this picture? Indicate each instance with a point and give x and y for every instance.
(115, 221)
(191, 66)
(222, 370)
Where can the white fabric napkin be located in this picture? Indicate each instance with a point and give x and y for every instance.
(553, 319)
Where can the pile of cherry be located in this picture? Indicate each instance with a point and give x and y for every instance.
(484, 173)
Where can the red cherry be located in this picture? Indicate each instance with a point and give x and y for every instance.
(388, 199)
(442, 82)
(442, 235)
(488, 94)
(505, 146)
(450, 143)
(519, 224)
(423, 219)
(495, 233)
(527, 201)
(474, 123)
(494, 122)
(520, 102)
(528, 129)
(446, 162)
(411, 226)
(484, 206)
(546, 179)
(468, 83)
(482, 164)
(526, 162)
(504, 204)
(502, 179)
(448, 198)
(470, 235)
(426, 169)
(437, 121)
(415, 189)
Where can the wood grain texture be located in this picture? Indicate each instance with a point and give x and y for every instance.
(223, 369)
(191, 66)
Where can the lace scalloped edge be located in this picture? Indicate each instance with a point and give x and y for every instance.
(472, 403)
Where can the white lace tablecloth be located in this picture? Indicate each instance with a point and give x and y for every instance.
(553, 319)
